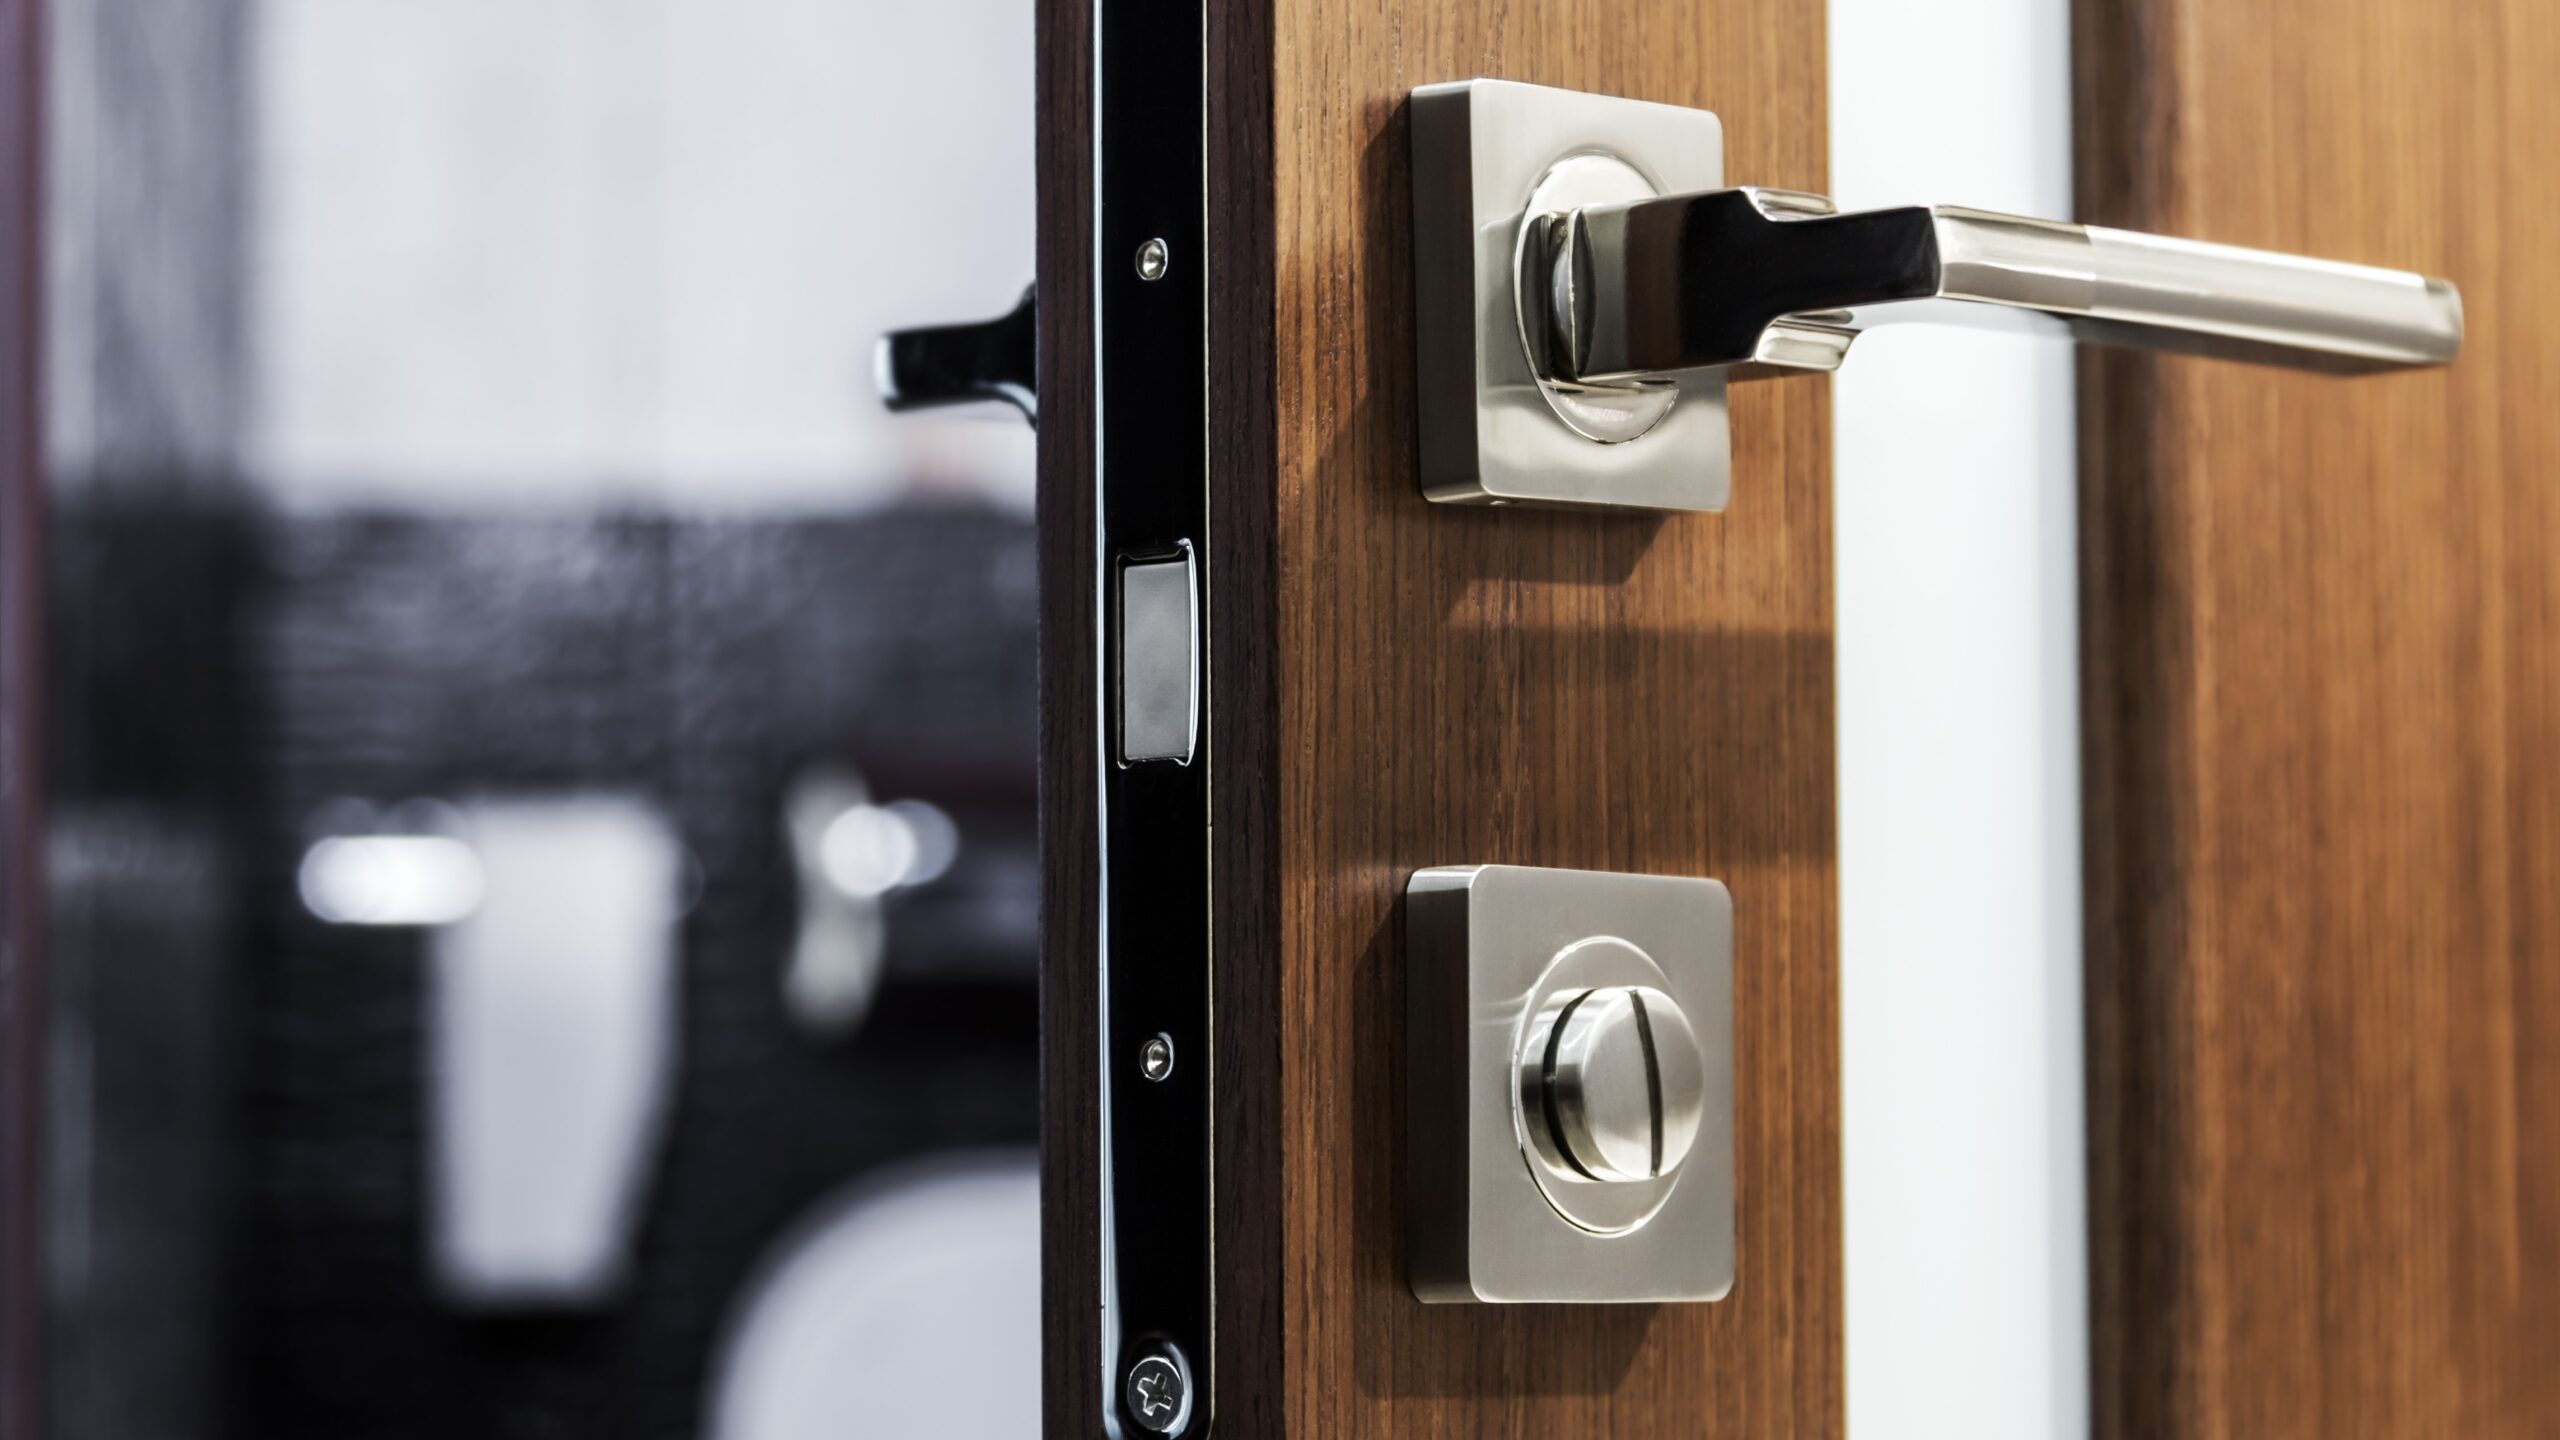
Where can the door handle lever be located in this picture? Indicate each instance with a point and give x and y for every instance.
(994, 359)
(1777, 281)
(1586, 285)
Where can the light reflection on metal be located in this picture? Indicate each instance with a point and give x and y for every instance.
(1640, 289)
(1583, 274)
(391, 880)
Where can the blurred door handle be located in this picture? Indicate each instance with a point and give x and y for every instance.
(956, 364)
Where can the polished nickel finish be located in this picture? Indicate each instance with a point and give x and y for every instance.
(1492, 432)
(1157, 635)
(1158, 682)
(1612, 413)
(1602, 1194)
(1637, 290)
(1612, 1085)
(1152, 260)
(1585, 286)
(1569, 1086)
(957, 364)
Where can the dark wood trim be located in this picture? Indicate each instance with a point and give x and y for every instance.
(22, 572)
(1244, 671)
(2136, 676)
(2320, 651)
(1070, 908)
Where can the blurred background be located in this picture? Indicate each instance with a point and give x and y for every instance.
(542, 872)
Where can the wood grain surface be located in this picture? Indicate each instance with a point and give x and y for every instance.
(1462, 686)
(1070, 1166)
(1070, 877)
(1397, 685)
(2321, 640)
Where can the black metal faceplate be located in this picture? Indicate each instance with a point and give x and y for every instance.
(1151, 472)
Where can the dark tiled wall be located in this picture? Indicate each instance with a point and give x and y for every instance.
(223, 673)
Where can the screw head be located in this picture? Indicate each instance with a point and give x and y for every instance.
(1152, 260)
(1157, 1393)
(1155, 1058)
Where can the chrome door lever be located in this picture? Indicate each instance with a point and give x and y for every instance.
(1586, 284)
(1776, 280)
(955, 364)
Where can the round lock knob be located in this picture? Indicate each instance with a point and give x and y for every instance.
(1612, 1084)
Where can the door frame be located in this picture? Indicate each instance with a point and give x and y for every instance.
(22, 581)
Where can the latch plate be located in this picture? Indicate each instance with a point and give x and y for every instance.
(1156, 588)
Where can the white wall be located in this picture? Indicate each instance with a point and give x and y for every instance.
(1959, 763)
(629, 251)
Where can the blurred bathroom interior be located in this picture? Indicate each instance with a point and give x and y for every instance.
(542, 886)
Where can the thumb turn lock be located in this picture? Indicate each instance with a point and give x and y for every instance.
(1568, 1085)
(1612, 1084)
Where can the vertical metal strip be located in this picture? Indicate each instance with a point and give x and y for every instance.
(1151, 499)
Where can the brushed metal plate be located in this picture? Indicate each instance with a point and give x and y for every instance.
(1489, 435)
(1482, 946)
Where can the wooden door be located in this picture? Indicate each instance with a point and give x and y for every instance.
(1394, 685)
(2321, 640)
